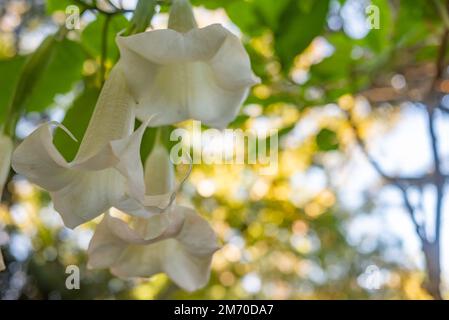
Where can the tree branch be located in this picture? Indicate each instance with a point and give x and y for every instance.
(400, 182)
(95, 8)
(433, 102)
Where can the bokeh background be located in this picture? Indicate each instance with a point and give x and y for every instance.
(360, 111)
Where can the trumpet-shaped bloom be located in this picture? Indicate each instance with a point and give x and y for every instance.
(6, 148)
(177, 242)
(106, 171)
(186, 72)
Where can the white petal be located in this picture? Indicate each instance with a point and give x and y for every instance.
(6, 147)
(89, 194)
(127, 151)
(113, 117)
(105, 247)
(113, 236)
(39, 161)
(188, 265)
(159, 172)
(203, 74)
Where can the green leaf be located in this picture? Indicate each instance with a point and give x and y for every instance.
(327, 140)
(338, 65)
(76, 120)
(239, 121)
(244, 16)
(64, 68)
(298, 28)
(57, 5)
(270, 11)
(30, 74)
(141, 19)
(10, 70)
(411, 25)
(148, 141)
(213, 4)
(92, 39)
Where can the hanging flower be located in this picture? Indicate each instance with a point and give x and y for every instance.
(6, 147)
(177, 242)
(186, 72)
(106, 171)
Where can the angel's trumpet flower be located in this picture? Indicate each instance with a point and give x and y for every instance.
(177, 242)
(186, 72)
(107, 169)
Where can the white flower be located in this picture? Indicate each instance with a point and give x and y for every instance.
(185, 72)
(177, 242)
(6, 147)
(107, 169)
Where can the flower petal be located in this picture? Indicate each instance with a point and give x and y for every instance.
(105, 247)
(113, 117)
(127, 151)
(89, 194)
(188, 265)
(184, 250)
(113, 236)
(39, 161)
(159, 172)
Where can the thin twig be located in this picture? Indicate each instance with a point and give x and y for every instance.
(420, 229)
(95, 8)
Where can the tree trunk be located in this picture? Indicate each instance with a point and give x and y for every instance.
(432, 256)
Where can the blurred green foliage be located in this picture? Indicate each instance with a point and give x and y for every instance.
(297, 250)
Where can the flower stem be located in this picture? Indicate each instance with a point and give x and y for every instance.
(181, 16)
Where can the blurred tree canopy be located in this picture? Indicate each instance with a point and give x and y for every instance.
(283, 236)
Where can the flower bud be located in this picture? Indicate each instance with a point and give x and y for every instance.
(181, 16)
